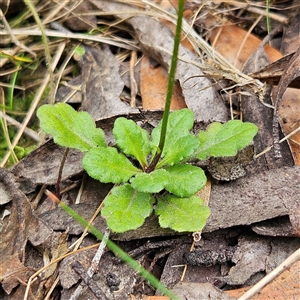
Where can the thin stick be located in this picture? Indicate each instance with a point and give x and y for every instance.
(13, 37)
(31, 133)
(93, 267)
(133, 85)
(282, 140)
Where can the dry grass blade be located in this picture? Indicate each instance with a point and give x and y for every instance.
(34, 104)
(211, 62)
(76, 36)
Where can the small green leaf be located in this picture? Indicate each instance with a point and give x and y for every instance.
(70, 128)
(179, 125)
(182, 214)
(79, 51)
(107, 165)
(126, 209)
(152, 182)
(227, 139)
(185, 180)
(184, 147)
(132, 139)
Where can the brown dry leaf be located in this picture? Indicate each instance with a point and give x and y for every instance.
(12, 272)
(21, 226)
(289, 104)
(228, 40)
(41, 166)
(153, 86)
(285, 286)
(249, 259)
(102, 84)
(156, 40)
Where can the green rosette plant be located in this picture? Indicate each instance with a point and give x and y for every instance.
(169, 186)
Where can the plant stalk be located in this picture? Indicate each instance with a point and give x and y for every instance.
(171, 80)
(114, 248)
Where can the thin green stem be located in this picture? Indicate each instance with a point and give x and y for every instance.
(116, 249)
(171, 81)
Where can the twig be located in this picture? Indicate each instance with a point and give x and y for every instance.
(96, 290)
(39, 272)
(13, 37)
(133, 85)
(31, 133)
(93, 267)
(282, 140)
(268, 278)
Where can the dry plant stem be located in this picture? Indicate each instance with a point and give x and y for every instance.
(93, 267)
(80, 191)
(53, 14)
(34, 104)
(46, 45)
(211, 62)
(133, 85)
(13, 37)
(39, 272)
(250, 6)
(90, 222)
(245, 39)
(76, 36)
(268, 278)
(29, 132)
(93, 287)
(48, 296)
(5, 127)
(282, 140)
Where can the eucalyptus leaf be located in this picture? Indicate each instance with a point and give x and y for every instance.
(153, 182)
(227, 139)
(132, 139)
(70, 128)
(107, 165)
(185, 180)
(126, 209)
(183, 148)
(179, 125)
(182, 214)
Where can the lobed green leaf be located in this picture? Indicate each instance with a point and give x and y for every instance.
(107, 165)
(153, 182)
(179, 125)
(185, 180)
(132, 139)
(70, 128)
(126, 209)
(182, 214)
(183, 148)
(227, 139)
